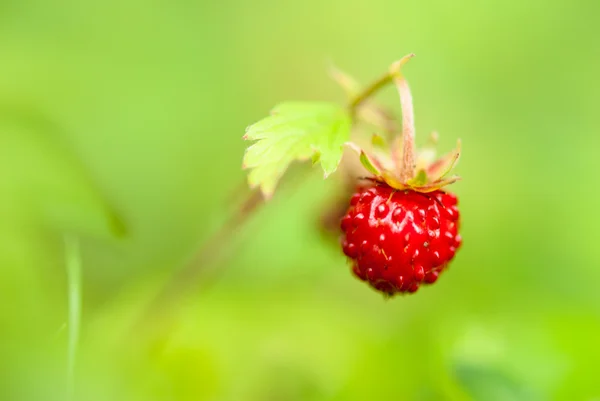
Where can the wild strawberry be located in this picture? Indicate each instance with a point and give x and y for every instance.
(399, 240)
(402, 230)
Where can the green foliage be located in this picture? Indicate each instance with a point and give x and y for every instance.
(42, 172)
(295, 131)
(484, 383)
(150, 97)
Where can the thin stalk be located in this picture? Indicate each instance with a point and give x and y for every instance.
(404, 148)
(369, 91)
(73, 266)
(376, 85)
(407, 167)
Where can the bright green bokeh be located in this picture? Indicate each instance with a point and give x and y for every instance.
(121, 123)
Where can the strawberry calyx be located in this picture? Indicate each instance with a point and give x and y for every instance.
(426, 176)
(399, 164)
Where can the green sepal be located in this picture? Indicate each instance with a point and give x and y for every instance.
(419, 180)
(368, 164)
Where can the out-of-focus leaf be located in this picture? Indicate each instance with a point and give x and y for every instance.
(485, 383)
(43, 175)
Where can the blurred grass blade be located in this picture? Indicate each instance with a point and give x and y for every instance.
(73, 265)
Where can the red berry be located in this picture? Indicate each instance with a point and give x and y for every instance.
(400, 239)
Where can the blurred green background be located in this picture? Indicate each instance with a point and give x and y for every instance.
(121, 125)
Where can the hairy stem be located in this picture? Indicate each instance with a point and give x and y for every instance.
(404, 148)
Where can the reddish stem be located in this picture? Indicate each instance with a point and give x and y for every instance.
(205, 261)
(406, 163)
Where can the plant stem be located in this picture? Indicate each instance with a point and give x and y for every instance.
(378, 84)
(407, 167)
(73, 266)
(369, 91)
(403, 149)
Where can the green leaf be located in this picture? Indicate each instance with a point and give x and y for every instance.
(295, 131)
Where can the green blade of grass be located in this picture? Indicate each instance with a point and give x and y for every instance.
(73, 266)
